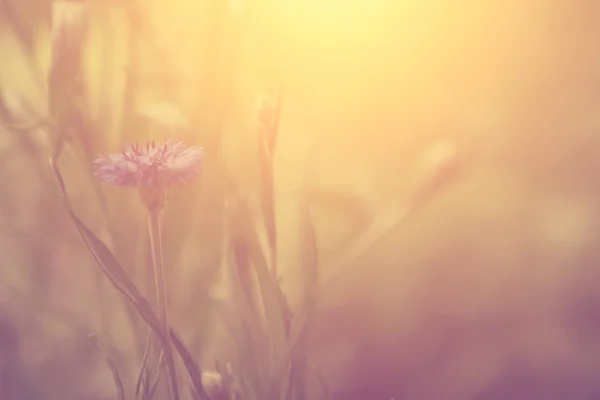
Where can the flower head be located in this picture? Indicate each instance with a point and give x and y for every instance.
(157, 166)
(151, 169)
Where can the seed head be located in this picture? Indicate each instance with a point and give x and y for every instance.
(214, 385)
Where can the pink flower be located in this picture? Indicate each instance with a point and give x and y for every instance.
(153, 166)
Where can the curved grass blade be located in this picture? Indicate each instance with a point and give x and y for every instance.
(443, 171)
(267, 140)
(150, 393)
(190, 365)
(144, 369)
(311, 284)
(111, 365)
(322, 382)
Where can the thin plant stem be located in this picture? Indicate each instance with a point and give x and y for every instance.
(144, 369)
(161, 294)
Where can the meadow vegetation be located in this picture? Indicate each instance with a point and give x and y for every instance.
(356, 200)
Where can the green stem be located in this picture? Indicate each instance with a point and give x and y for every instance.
(161, 294)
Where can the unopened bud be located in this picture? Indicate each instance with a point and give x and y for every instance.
(214, 385)
(266, 109)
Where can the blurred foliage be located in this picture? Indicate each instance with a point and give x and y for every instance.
(488, 291)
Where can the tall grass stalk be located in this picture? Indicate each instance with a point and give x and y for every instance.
(154, 228)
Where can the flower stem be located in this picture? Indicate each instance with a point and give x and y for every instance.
(161, 294)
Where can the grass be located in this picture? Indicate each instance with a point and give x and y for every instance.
(74, 139)
(195, 306)
(268, 337)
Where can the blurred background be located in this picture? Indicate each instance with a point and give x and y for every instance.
(489, 291)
